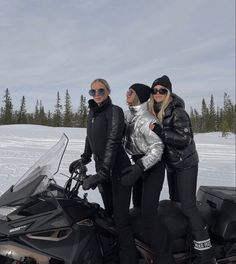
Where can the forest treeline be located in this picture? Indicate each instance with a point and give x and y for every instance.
(212, 119)
(62, 115)
(209, 119)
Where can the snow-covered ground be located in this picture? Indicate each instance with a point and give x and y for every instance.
(22, 145)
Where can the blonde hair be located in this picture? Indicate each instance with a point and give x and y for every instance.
(164, 105)
(136, 100)
(104, 82)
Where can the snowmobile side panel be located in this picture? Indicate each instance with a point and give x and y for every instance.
(222, 201)
(80, 243)
(12, 252)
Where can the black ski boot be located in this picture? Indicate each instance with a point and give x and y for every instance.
(203, 248)
(204, 257)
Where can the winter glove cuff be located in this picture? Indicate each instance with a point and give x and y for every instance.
(104, 173)
(92, 181)
(158, 130)
(140, 164)
(85, 159)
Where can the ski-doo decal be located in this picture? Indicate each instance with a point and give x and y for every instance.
(16, 229)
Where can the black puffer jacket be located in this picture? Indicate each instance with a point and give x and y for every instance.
(180, 150)
(105, 129)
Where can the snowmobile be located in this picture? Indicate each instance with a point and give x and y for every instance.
(42, 221)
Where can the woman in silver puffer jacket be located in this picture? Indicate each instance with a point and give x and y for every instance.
(139, 139)
(146, 149)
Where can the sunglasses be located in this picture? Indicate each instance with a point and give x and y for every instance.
(160, 91)
(99, 92)
(129, 92)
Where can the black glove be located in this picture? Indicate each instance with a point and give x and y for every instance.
(92, 181)
(76, 165)
(131, 174)
(157, 130)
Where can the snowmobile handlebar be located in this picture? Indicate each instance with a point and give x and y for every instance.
(79, 175)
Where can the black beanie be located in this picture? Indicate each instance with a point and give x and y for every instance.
(163, 81)
(143, 91)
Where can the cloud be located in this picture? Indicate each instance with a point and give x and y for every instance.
(50, 46)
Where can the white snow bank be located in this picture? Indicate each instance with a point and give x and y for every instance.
(22, 145)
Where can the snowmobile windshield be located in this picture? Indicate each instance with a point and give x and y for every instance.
(48, 165)
(38, 177)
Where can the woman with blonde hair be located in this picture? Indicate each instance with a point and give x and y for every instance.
(181, 160)
(146, 149)
(105, 129)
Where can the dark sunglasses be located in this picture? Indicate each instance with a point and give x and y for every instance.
(99, 92)
(129, 92)
(160, 91)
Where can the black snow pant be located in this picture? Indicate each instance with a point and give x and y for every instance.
(182, 188)
(156, 233)
(116, 199)
(105, 190)
(121, 203)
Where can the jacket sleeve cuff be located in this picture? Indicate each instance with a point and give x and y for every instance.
(85, 159)
(104, 172)
(140, 164)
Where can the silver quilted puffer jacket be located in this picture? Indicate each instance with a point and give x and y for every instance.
(139, 138)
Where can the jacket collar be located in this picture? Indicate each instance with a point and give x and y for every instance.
(139, 109)
(94, 107)
(177, 102)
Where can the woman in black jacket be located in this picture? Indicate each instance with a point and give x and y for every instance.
(181, 160)
(105, 130)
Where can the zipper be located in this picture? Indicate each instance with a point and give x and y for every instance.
(177, 154)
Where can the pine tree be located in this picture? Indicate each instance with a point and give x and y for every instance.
(76, 119)
(68, 115)
(30, 118)
(42, 115)
(7, 115)
(212, 115)
(218, 118)
(21, 117)
(49, 118)
(198, 121)
(83, 112)
(228, 124)
(1, 115)
(204, 127)
(234, 120)
(57, 116)
(36, 113)
(193, 121)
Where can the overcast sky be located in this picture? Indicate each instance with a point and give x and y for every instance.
(53, 45)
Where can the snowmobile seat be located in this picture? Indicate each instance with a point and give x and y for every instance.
(172, 217)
